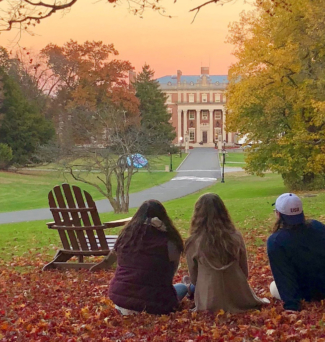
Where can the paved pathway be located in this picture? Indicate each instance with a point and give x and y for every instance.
(200, 169)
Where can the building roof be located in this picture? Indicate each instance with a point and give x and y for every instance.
(192, 79)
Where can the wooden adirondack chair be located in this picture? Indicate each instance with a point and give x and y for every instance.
(81, 231)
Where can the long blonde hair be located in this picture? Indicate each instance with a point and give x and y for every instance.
(211, 223)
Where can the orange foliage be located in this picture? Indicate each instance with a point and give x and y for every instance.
(92, 79)
(73, 306)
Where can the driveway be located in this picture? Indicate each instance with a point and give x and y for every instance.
(199, 170)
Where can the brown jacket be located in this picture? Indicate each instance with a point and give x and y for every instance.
(221, 287)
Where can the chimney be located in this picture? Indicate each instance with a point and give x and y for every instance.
(132, 76)
(204, 70)
(179, 74)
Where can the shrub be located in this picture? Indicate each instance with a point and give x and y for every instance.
(5, 155)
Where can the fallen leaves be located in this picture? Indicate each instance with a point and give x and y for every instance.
(72, 306)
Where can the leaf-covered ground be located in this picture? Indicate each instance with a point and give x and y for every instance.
(73, 306)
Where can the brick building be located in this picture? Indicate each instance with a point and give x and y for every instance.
(197, 104)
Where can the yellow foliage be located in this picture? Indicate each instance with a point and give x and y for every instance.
(276, 92)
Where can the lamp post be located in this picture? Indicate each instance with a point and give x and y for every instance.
(180, 146)
(223, 162)
(171, 158)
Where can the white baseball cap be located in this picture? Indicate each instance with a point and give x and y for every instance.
(290, 207)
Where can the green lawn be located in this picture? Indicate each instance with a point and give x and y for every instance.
(155, 163)
(248, 198)
(159, 163)
(29, 190)
(233, 159)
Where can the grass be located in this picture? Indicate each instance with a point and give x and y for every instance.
(28, 190)
(248, 198)
(159, 163)
(155, 163)
(234, 159)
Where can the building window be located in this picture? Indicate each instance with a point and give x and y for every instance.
(204, 97)
(170, 110)
(169, 98)
(217, 98)
(191, 114)
(205, 114)
(192, 134)
(217, 115)
(191, 98)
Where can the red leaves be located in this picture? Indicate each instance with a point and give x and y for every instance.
(73, 307)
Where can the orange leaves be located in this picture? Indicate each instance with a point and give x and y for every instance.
(87, 71)
(4, 326)
(73, 307)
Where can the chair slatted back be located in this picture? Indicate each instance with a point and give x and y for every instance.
(73, 207)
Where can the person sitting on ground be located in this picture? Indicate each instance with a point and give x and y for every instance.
(148, 250)
(296, 252)
(217, 260)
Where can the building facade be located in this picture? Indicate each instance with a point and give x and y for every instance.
(197, 107)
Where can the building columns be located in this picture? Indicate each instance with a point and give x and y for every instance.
(198, 132)
(179, 124)
(223, 126)
(185, 123)
(211, 126)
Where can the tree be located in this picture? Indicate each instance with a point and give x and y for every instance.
(276, 93)
(5, 155)
(153, 110)
(109, 157)
(26, 14)
(31, 75)
(22, 127)
(87, 79)
(98, 118)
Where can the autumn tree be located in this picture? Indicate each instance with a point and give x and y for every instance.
(86, 79)
(97, 116)
(276, 93)
(155, 118)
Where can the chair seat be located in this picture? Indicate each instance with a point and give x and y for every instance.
(111, 239)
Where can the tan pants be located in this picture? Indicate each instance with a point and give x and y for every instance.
(274, 290)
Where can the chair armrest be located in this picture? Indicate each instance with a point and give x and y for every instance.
(117, 223)
(50, 224)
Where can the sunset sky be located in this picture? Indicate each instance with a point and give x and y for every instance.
(165, 44)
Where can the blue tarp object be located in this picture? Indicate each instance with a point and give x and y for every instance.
(138, 159)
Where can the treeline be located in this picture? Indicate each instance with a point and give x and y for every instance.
(75, 95)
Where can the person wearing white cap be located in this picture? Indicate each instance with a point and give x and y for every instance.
(296, 252)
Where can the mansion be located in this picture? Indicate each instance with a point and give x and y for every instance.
(197, 105)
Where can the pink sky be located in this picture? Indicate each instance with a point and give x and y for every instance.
(165, 44)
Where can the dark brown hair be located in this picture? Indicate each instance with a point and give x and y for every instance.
(281, 224)
(211, 223)
(136, 229)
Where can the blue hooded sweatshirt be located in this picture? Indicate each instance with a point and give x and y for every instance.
(297, 260)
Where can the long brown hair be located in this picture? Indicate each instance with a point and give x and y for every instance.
(136, 229)
(211, 223)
